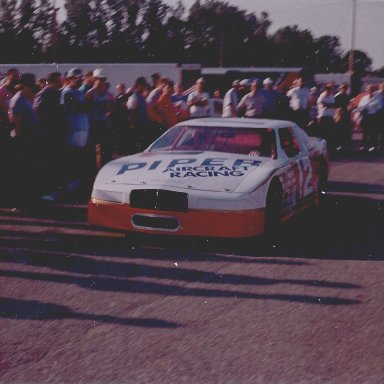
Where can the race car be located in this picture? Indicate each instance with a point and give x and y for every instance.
(213, 177)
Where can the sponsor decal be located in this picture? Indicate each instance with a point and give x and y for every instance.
(187, 167)
(254, 154)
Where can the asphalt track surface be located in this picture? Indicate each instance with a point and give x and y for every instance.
(86, 305)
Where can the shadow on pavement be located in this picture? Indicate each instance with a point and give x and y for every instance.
(136, 286)
(345, 228)
(353, 187)
(17, 309)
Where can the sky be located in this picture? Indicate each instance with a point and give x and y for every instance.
(323, 17)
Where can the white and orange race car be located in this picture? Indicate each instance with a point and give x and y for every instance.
(213, 177)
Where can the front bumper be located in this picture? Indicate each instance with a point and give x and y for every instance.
(210, 223)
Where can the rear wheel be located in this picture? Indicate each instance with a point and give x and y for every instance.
(273, 210)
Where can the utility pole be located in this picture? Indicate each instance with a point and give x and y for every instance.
(53, 39)
(353, 39)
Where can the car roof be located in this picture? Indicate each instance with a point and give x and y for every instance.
(237, 122)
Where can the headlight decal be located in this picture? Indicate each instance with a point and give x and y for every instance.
(112, 196)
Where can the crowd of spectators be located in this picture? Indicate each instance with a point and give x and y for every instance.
(326, 111)
(56, 132)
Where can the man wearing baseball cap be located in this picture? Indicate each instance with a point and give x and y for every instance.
(88, 81)
(99, 73)
(299, 97)
(271, 99)
(231, 99)
(244, 88)
(253, 104)
(74, 73)
(100, 101)
(77, 129)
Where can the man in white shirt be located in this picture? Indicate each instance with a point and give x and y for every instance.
(369, 107)
(326, 103)
(253, 104)
(198, 101)
(231, 99)
(325, 112)
(299, 102)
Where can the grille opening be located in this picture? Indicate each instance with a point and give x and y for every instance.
(159, 199)
(156, 222)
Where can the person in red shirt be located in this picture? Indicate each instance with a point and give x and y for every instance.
(165, 108)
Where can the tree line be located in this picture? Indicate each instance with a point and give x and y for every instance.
(211, 32)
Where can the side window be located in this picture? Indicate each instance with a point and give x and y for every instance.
(288, 142)
(305, 140)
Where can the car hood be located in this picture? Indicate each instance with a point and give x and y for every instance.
(206, 171)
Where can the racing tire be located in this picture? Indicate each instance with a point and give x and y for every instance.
(273, 211)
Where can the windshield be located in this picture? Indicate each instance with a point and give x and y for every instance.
(245, 141)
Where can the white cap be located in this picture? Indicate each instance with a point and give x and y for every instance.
(74, 72)
(268, 81)
(245, 82)
(98, 73)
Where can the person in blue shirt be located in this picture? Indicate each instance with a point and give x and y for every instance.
(26, 145)
(76, 131)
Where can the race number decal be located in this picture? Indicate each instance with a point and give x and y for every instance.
(307, 179)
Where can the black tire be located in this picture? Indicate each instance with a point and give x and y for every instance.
(273, 211)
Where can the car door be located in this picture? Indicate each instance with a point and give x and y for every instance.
(297, 171)
(310, 164)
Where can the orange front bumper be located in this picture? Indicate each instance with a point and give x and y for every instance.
(233, 224)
